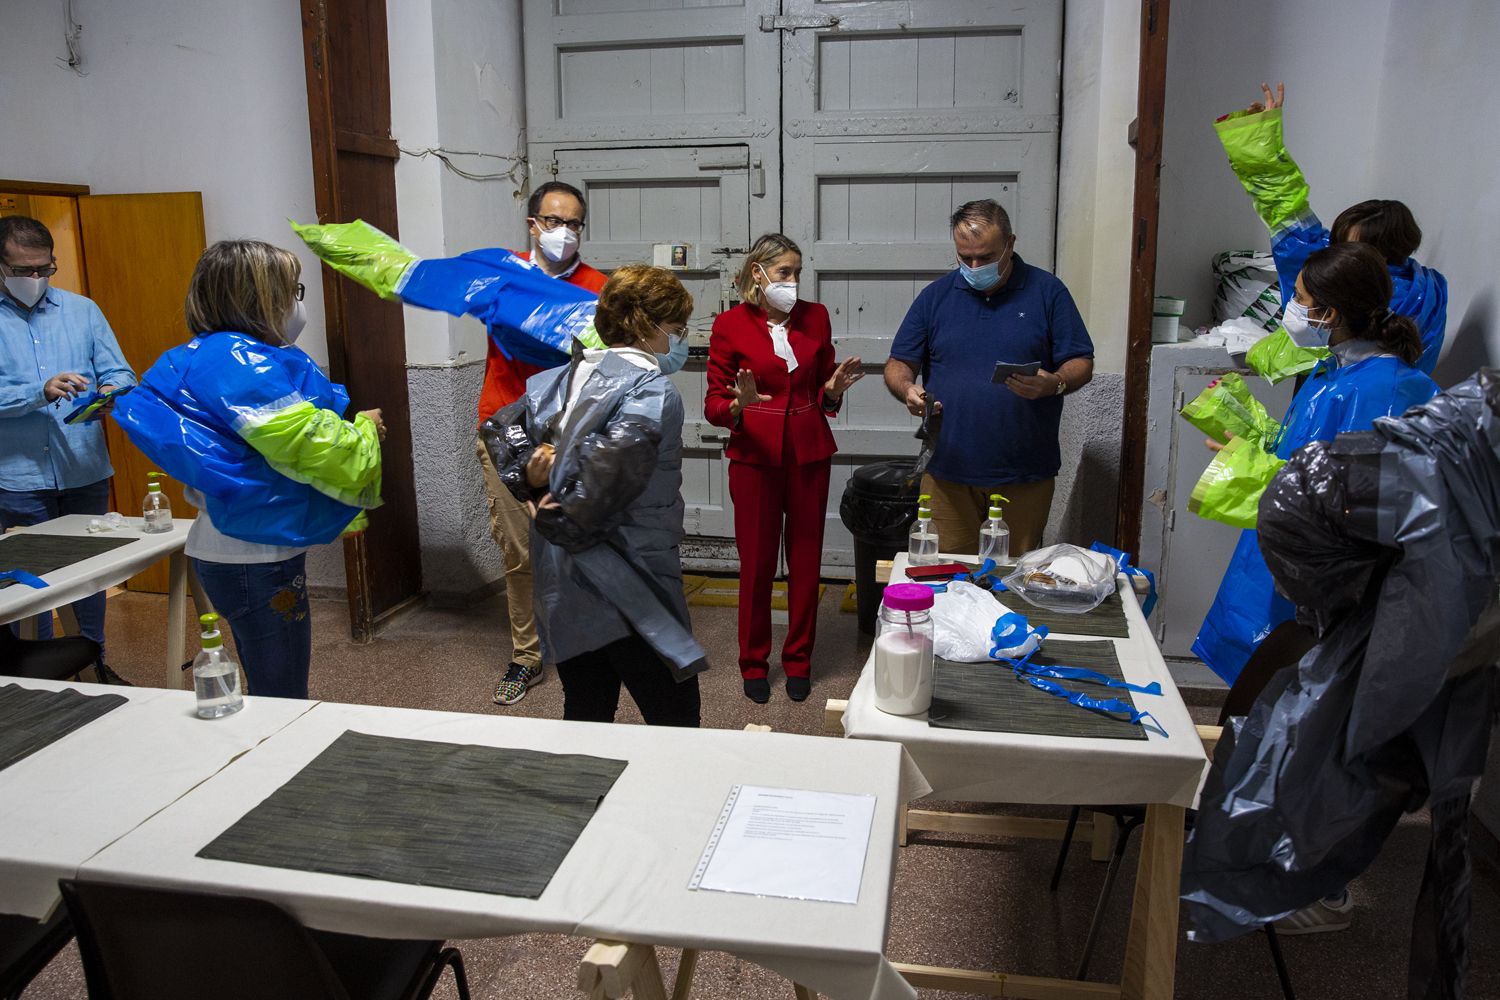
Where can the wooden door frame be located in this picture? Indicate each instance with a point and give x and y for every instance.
(327, 141)
(47, 188)
(1151, 99)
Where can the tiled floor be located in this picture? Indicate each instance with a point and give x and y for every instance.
(959, 901)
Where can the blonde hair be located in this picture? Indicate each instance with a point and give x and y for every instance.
(243, 286)
(635, 300)
(766, 249)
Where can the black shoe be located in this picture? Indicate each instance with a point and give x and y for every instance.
(758, 690)
(108, 676)
(798, 688)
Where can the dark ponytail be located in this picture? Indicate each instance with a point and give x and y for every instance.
(1352, 278)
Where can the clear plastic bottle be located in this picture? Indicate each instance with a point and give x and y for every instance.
(904, 650)
(157, 509)
(922, 549)
(216, 677)
(994, 534)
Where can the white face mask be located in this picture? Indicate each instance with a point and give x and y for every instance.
(558, 244)
(28, 291)
(779, 295)
(1300, 327)
(294, 323)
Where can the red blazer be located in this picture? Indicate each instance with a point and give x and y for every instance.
(742, 339)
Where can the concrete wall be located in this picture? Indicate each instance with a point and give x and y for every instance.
(456, 86)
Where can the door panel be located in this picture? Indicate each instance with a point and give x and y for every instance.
(141, 295)
(698, 198)
(856, 127)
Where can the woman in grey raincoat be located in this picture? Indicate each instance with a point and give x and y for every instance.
(596, 449)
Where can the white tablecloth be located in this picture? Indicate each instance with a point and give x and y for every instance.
(89, 576)
(1020, 768)
(626, 877)
(72, 798)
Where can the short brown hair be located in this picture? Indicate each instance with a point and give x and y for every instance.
(977, 214)
(637, 298)
(766, 249)
(25, 232)
(1388, 226)
(243, 286)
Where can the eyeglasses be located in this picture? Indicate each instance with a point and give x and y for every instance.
(551, 222)
(301, 291)
(27, 271)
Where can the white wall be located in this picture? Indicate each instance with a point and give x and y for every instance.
(1096, 168)
(1330, 55)
(178, 96)
(456, 83)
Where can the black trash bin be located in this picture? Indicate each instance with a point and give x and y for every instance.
(878, 507)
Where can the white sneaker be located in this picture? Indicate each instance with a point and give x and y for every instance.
(1332, 913)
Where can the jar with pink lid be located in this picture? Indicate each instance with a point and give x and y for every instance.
(903, 650)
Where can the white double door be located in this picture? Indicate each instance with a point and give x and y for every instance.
(855, 128)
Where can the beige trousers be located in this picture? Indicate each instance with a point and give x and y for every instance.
(958, 510)
(510, 524)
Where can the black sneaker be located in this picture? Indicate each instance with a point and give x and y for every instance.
(108, 676)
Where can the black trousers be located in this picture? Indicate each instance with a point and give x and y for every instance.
(591, 685)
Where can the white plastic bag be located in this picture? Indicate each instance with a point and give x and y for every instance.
(1246, 286)
(1064, 578)
(963, 619)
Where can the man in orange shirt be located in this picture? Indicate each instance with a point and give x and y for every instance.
(555, 216)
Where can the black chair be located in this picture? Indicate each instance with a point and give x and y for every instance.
(26, 946)
(1284, 647)
(161, 944)
(46, 659)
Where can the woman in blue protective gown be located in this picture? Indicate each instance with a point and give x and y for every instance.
(1342, 301)
(256, 432)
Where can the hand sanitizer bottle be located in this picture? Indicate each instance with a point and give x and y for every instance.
(923, 546)
(994, 534)
(216, 677)
(157, 510)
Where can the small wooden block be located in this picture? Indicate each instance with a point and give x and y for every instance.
(1210, 735)
(833, 716)
(883, 569)
(755, 727)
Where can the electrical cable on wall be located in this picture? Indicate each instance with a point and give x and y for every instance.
(515, 174)
(73, 40)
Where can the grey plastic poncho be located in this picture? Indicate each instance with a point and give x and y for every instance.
(1388, 542)
(606, 562)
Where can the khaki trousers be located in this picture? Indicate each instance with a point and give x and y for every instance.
(510, 524)
(958, 510)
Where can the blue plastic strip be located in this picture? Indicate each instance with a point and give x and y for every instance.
(1037, 675)
(1123, 560)
(21, 576)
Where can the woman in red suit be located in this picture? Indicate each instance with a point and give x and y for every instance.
(773, 382)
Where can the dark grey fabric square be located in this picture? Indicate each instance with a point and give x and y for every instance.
(31, 718)
(988, 697)
(40, 554)
(483, 819)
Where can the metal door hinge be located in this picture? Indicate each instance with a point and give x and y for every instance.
(786, 22)
(1172, 519)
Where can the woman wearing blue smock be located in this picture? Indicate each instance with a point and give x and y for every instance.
(255, 431)
(1253, 142)
(1342, 302)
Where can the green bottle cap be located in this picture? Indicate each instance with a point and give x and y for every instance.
(211, 637)
(995, 501)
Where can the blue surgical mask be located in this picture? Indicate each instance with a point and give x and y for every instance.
(981, 279)
(676, 355)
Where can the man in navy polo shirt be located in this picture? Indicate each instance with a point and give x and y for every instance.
(996, 438)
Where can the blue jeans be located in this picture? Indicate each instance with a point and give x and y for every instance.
(266, 607)
(19, 508)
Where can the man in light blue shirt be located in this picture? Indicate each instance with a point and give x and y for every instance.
(55, 347)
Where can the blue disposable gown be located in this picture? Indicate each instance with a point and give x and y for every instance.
(191, 416)
(1417, 291)
(1335, 398)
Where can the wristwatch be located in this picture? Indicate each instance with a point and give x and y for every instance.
(1062, 385)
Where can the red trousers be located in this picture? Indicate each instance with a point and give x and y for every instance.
(772, 503)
